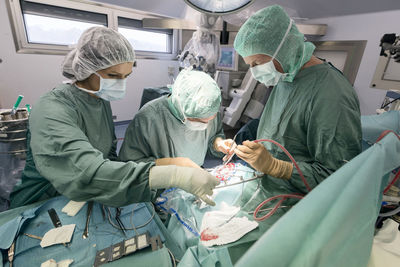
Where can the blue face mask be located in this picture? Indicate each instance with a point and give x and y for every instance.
(267, 73)
(110, 89)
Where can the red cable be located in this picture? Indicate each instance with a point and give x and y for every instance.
(392, 182)
(291, 158)
(269, 214)
(383, 134)
(284, 196)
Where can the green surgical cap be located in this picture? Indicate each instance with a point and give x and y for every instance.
(263, 32)
(195, 94)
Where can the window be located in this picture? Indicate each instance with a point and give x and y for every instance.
(51, 27)
(145, 39)
(45, 24)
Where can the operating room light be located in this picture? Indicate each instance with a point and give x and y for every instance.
(218, 6)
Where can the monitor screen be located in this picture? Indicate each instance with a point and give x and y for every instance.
(228, 59)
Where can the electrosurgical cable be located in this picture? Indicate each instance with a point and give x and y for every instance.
(174, 212)
(291, 158)
(284, 196)
(383, 134)
(131, 219)
(172, 257)
(299, 196)
(267, 209)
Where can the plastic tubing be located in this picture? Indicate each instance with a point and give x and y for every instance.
(284, 196)
(271, 212)
(390, 213)
(173, 211)
(291, 158)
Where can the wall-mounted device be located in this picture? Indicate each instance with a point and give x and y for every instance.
(228, 59)
(387, 72)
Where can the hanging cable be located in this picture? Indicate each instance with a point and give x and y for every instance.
(284, 196)
(396, 177)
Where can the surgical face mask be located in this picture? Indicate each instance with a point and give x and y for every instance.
(110, 89)
(192, 125)
(195, 125)
(267, 73)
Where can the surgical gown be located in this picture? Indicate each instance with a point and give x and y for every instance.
(156, 133)
(70, 151)
(317, 119)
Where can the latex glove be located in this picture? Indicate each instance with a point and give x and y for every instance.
(225, 146)
(178, 161)
(193, 180)
(260, 159)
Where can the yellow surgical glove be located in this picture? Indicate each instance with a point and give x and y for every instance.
(260, 159)
(178, 161)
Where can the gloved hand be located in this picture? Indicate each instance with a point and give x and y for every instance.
(224, 145)
(193, 180)
(260, 159)
(178, 161)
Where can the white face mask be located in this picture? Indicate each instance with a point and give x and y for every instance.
(110, 89)
(195, 125)
(267, 73)
(192, 125)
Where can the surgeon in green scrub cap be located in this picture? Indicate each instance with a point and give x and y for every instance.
(180, 128)
(71, 140)
(313, 111)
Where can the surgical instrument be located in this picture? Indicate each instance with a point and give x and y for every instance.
(11, 252)
(241, 182)
(88, 213)
(28, 108)
(230, 150)
(15, 107)
(33, 236)
(55, 220)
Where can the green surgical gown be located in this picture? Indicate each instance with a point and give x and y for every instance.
(317, 119)
(156, 133)
(71, 148)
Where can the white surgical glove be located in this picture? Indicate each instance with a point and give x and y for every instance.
(178, 161)
(193, 180)
(225, 146)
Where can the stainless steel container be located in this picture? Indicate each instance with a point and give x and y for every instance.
(13, 129)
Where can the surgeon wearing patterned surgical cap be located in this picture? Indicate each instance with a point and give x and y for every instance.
(313, 110)
(178, 128)
(71, 140)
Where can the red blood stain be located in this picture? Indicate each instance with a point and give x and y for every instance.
(207, 235)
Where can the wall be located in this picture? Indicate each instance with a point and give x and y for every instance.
(33, 75)
(370, 27)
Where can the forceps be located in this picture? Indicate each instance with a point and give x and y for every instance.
(231, 156)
